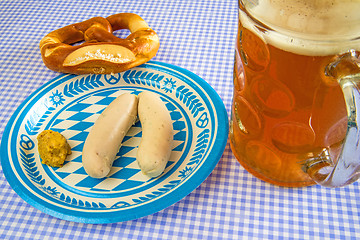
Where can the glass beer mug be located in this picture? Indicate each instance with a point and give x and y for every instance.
(294, 118)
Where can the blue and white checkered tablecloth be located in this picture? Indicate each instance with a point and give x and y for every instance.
(230, 203)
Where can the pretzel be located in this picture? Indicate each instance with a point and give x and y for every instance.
(102, 52)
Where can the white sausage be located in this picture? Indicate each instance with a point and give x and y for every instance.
(105, 137)
(157, 134)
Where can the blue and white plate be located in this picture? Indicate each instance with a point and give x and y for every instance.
(70, 104)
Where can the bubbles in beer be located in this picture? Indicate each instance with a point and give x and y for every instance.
(308, 21)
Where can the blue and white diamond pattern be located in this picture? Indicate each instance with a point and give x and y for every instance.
(75, 123)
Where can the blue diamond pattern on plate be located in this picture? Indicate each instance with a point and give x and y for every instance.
(125, 173)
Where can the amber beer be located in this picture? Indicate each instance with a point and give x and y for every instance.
(287, 108)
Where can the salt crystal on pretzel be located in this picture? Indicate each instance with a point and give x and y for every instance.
(102, 52)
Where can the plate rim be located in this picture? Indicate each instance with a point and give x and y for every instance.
(215, 154)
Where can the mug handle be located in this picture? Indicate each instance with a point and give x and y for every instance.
(346, 170)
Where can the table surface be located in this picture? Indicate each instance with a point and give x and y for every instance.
(230, 203)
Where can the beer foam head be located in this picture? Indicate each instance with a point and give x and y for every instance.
(308, 26)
